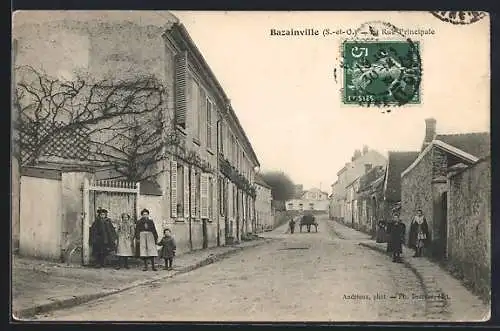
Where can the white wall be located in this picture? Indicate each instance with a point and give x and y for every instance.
(40, 217)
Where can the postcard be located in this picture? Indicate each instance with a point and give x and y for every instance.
(271, 166)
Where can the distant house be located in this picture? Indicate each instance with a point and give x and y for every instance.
(425, 185)
(312, 200)
(348, 174)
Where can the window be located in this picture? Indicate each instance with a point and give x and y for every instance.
(209, 124)
(180, 190)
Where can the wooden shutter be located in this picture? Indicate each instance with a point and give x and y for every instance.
(229, 199)
(210, 134)
(203, 117)
(180, 89)
(215, 196)
(214, 125)
(173, 189)
(186, 192)
(204, 196)
(193, 193)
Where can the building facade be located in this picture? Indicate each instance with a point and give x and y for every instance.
(205, 181)
(347, 175)
(311, 200)
(263, 208)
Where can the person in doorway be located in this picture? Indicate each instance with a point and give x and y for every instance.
(145, 233)
(291, 224)
(102, 237)
(419, 233)
(125, 231)
(398, 230)
(168, 247)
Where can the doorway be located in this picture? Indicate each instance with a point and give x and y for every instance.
(443, 226)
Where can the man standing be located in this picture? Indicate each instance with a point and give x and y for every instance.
(102, 237)
(397, 238)
(292, 225)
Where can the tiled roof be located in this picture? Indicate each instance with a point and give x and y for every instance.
(260, 181)
(370, 177)
(477, 144)
(397, 163)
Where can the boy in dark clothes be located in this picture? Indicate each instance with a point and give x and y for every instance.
(398, 230)
(168, 247)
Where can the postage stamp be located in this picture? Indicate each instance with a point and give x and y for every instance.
(381, 73)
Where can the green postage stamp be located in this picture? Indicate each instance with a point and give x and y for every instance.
(381, 73)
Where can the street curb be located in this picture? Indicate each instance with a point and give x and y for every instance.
(432, 308)
(81, 299)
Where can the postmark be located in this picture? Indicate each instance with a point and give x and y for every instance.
(381, 67)
(459, 17)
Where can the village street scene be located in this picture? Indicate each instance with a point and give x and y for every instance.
(162, 173)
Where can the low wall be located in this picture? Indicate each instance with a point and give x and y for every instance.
(40, 214)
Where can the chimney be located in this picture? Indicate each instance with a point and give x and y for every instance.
(365, 149)
(368, 167)
(430, 131)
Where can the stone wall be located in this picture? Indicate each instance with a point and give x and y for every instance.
(416, 192)
(469, 224)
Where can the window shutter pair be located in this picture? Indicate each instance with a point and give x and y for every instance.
(180, 89)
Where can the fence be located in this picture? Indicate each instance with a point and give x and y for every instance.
(116, 196)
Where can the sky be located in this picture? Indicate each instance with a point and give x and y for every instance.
(285, 95)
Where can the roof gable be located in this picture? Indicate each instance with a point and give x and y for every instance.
(260, 181)
(477, 144)
(397, 163)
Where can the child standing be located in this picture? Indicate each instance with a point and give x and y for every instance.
(125, 240)
(168, 248)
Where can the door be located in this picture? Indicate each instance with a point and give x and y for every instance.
(443, 226)
(205, 233)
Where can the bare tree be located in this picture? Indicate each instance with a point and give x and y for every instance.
(118, 122)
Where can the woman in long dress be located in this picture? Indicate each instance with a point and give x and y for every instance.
(145, 232)
(126, 232)
(419, 233)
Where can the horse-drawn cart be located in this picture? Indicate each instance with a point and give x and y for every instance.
(308, 220)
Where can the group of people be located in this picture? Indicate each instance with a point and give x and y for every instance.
(394, 234)
(129, 239)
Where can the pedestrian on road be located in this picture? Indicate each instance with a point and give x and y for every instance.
(126, 232)
(145, 233)
(388, 229)
(381, 235)
(419, 233)
(102, 237)
(168, 247)
(292, 225)
(397, 238)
